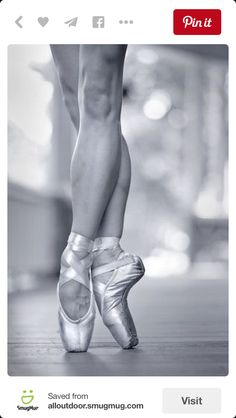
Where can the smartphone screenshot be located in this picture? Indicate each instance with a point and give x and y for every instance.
(117, 185)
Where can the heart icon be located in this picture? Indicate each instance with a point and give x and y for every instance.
(43, 21)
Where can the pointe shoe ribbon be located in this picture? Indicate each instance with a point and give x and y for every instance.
(76, 334)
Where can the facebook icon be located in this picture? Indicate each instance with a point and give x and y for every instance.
(98, 22)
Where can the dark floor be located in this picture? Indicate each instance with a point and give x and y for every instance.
(182, 325)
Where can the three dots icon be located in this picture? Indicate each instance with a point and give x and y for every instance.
(126, 22)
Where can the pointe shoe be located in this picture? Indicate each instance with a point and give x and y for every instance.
(111, 297)
(76, 334)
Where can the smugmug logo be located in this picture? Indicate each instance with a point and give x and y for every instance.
(27, 398)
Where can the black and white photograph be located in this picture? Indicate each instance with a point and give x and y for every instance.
(117, 210)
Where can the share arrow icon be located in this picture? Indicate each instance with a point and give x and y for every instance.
(72, 22)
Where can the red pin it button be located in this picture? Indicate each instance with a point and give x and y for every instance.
(197, 22)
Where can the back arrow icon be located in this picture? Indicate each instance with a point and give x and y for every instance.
(17, 22)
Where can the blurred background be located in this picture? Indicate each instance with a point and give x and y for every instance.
(175, 121)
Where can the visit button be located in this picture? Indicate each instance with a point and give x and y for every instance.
(192, 401)
(197, 22)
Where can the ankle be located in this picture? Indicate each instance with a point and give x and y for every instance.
(106, 250)
(78, 249)
(78, 242)
(105, 256)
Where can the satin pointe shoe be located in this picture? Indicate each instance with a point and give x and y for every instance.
(76, 333)
(111, 297)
